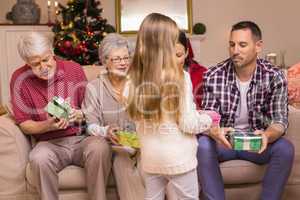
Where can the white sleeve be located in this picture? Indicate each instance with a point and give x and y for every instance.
(96, 130)
(191, 121)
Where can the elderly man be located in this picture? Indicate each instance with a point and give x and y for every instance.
(250, 94)
(59, 140)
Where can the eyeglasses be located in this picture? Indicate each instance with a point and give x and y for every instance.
(118, 60)
(38, 62)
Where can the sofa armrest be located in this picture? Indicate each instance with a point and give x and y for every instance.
(294, 125)
(14, 153)
(294, 136)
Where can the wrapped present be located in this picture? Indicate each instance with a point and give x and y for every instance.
(59, 108)
(245, 141)
(128, 139)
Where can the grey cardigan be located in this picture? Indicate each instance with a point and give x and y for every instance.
(101, 105)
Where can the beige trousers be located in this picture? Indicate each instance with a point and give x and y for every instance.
(182, 186)
(49, 157)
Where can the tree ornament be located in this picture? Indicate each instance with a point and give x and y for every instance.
(67, 44)
(79, 30)
(77, 50)
(71, 25)
(75, 39)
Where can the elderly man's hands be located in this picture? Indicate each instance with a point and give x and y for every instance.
(57, 124)
(61, 123)
(76, 116)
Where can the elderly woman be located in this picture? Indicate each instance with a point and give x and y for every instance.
(105, 113)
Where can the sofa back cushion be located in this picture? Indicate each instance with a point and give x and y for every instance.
(293, 76)
(93, 71)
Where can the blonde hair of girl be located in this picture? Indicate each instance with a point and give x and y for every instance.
(157, 81)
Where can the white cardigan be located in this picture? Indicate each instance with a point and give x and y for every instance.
(167, 148)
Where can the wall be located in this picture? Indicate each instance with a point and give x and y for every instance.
(278, 20)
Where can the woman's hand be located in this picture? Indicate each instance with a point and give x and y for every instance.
(111, 134)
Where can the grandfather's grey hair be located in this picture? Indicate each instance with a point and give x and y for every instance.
(110, 42)
(34, 44)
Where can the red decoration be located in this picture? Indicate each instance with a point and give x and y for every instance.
(67, 44)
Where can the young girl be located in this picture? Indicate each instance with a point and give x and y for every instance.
(161, 104)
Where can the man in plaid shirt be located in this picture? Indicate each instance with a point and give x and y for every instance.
(250, 94)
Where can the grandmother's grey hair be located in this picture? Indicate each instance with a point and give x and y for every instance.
(34, 44)
(109, 43)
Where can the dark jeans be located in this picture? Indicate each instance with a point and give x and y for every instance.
(279, 156)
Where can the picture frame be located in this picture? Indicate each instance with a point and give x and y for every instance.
(130, 13)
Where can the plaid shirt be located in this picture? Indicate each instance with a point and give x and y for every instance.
(266, 96)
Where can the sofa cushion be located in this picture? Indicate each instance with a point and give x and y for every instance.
(72, 177)
(93, 71)
(14, 156)
(241, 172)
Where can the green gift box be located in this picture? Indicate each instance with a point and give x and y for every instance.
(129, 139)
(245, 141)
(58, 108)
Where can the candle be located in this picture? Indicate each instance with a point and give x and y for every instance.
(56, 9)
(49, 11)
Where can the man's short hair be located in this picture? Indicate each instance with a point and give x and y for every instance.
(34, 44)
(255, 30)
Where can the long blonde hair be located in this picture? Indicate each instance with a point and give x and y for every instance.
(157, 81)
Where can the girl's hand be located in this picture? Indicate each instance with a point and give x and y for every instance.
(219, 135)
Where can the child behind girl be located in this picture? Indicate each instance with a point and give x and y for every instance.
(161, 104)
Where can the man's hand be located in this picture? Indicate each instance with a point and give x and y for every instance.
(111, 134)
(265, 140)
(219, 135)
(76, 116)
(57, 124)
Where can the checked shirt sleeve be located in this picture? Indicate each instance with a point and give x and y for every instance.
(278, 107)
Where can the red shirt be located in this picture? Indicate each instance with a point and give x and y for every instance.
(196, 72)
(30, 95)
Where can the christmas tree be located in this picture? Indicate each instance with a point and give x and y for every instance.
(80, 31)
